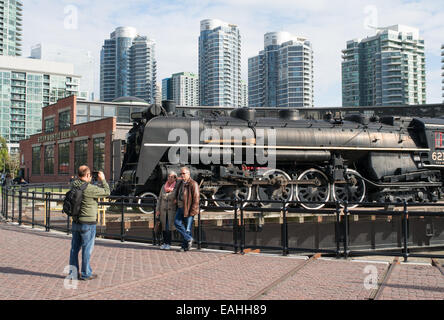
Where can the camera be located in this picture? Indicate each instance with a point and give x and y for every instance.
(95, 176)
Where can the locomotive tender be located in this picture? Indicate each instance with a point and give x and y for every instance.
(357, 158)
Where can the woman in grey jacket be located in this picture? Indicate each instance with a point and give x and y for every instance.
(166, 209)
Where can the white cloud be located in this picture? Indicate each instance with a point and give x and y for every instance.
(175, 27)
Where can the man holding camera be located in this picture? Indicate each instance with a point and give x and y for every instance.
(84, 230)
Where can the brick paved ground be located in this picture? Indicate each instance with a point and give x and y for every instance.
(32, 265)
(414, 282)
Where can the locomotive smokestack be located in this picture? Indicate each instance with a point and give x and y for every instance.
(169, 106)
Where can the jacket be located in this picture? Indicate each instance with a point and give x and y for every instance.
(191, 197)
(167, 206)
(89, 208)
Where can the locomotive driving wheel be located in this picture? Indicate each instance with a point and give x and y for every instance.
(149, 199)
(278, 188)
(225, 195)
(318, 193)
(354, 191)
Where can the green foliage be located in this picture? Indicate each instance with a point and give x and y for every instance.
(4, 155)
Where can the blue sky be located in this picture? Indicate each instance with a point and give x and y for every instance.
(175, 24)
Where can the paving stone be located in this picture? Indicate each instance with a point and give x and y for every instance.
(32, 264)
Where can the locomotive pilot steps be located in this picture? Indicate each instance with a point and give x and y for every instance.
(357, 158)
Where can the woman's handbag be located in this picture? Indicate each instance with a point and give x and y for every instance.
(158, 227)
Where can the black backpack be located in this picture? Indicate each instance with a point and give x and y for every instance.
(73, 201)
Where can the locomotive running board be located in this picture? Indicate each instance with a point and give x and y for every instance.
(401, 185)
(178, 145)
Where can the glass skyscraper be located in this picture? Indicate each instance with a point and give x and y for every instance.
(282, 74)
(244, 94)
(27, 85)
(182, 88)
(11, 27)
(219, 64)
(128, 66)
(442, 61)
(385, 69)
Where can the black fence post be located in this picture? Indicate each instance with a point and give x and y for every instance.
(122, 225)
(3, 201)
(33, 209)
(346, 229)
(284, 229)
(236, 227)
(242, 240)
(154, 225)
(199, 231)
(13, 204)
(338, 229)
(405, 230)
(7, 203)
(20, 206)
(48, 209)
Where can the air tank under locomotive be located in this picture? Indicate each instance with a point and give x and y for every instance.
(356, 158)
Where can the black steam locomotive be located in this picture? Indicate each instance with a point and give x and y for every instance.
(354, 158)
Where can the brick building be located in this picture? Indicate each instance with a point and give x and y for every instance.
(67, 142)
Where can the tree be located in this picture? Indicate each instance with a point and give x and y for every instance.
(14, 164)
(4, 155)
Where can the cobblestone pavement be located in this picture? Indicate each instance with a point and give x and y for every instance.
(32, 264)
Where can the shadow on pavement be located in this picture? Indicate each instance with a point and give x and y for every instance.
(29, 273)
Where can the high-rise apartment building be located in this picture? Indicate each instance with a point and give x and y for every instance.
(244, 96)
(182, 88)
(386, 69)
(442, 61)
(158, 94)
(282, 74)
(26, 86)
(83, 61)
(219, 64)
(128, 66)
(11, 27)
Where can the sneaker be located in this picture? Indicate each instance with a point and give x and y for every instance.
(92, 277)
(190, 244)
(167, 247)
(163, 247)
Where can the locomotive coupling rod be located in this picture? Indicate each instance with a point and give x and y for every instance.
(314, 182)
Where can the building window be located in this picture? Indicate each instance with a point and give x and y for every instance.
(65, 120)
(80, 154)
(49, 125)
(123, 114)
(64, 158)
(109, 111)
(99, 154)
(49, 159)
(36, 160)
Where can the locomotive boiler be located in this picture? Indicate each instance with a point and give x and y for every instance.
(355, 158)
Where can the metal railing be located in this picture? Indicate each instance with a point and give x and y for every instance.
(44, 209)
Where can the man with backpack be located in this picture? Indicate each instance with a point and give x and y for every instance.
(85, 219)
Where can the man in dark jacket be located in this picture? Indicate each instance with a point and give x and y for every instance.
(188, 197)
(84, 230)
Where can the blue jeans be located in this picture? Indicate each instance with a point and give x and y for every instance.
(184, 226)
(83, 237)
